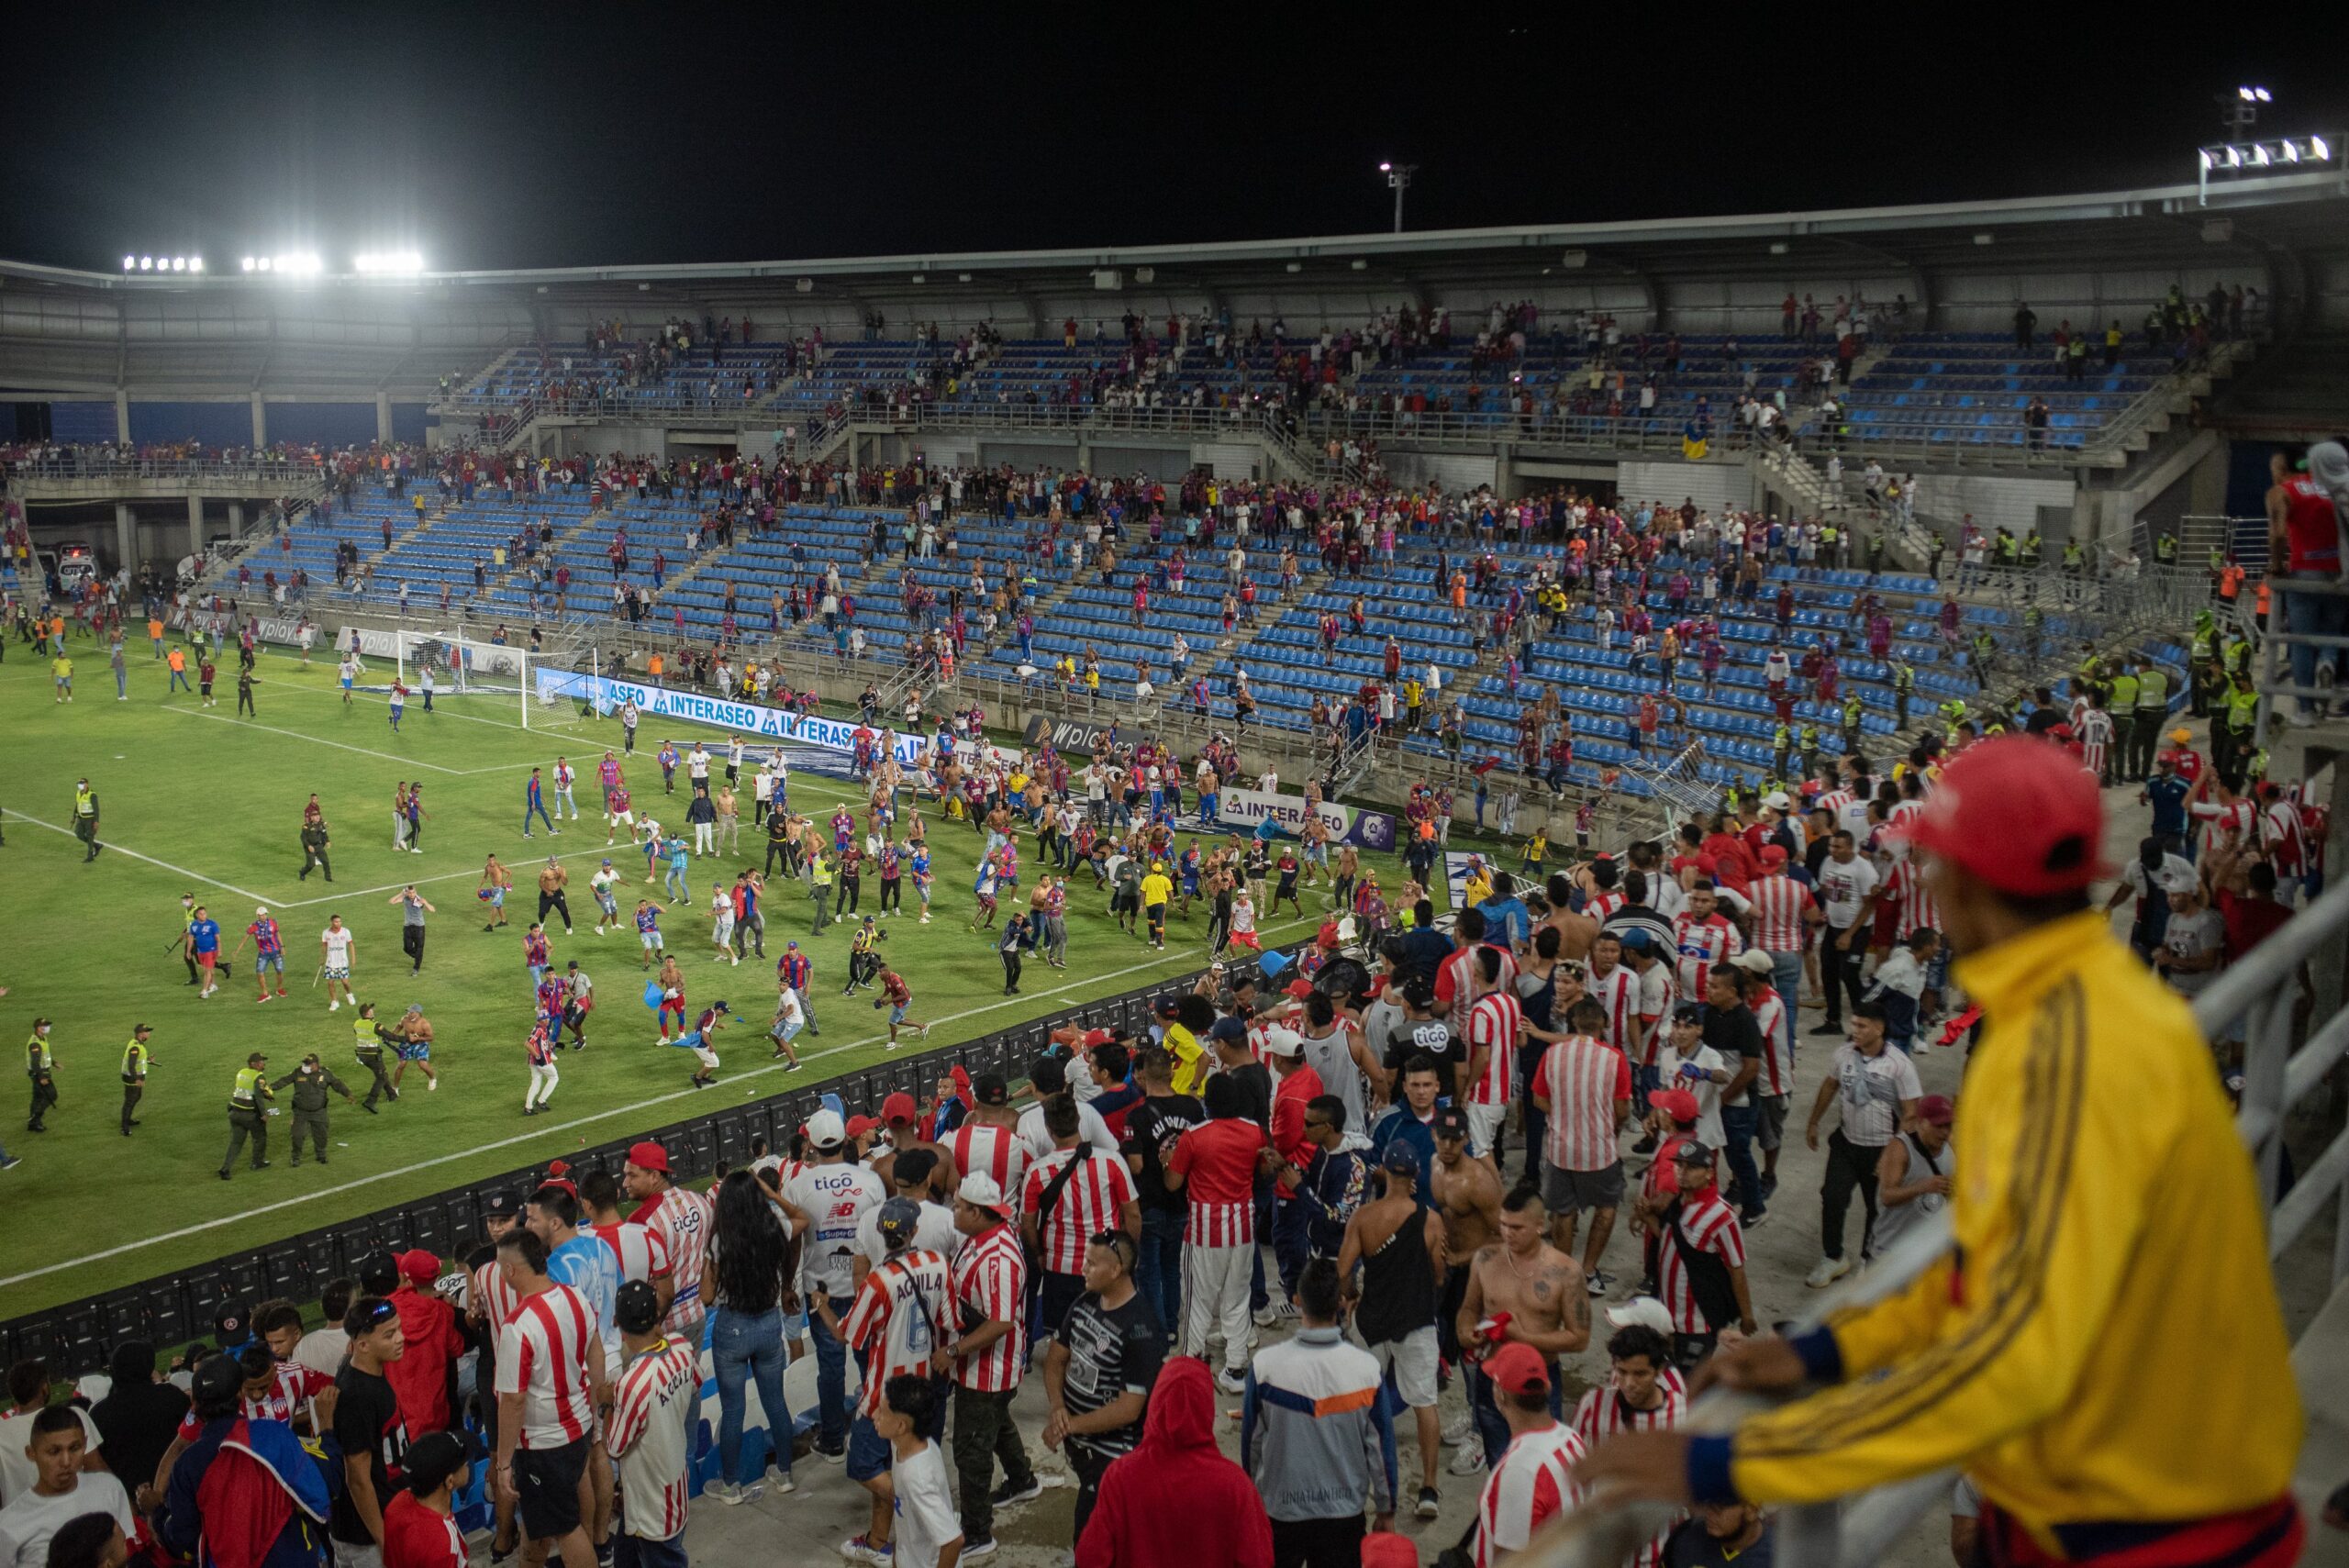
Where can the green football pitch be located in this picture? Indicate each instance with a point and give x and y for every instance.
(199, 800)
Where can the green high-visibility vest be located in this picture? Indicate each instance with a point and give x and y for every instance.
(249, 1086)
(2124, 692)
(2243, 710)
(1852, 710)
(2153, 689)
(1781, 739)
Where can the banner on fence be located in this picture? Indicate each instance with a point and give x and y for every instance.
(724, 713)
(1347, 825)
(1066, 734)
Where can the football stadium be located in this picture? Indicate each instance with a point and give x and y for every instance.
(1321, 886)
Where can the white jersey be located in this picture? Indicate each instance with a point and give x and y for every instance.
(834, 1198)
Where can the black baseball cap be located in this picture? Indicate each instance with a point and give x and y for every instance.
(990, 1089)
(1688, 1013)
(637, 1307)
(217, 1377)
(1450, 1123)
(433, 1457)
(1230, 1029)
(1399, 1161)
(1693, 1154)
(499, 1204)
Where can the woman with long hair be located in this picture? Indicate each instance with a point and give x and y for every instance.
(745, 1277)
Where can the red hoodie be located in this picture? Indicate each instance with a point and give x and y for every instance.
(1177, 1473)
(419, 1379)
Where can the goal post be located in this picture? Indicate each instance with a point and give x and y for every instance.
(561, 697)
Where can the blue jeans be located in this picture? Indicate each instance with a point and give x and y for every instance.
(831, 1379)
(1786, 978)
(1292, 1240)
(745, 1346)
(1492, 1427)
(530, 808)
(1158, 1268)
(635, 1551)
(1737, 1130)
(2313, 614)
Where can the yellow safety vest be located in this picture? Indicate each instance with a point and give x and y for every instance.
(250, 1085)
(2153, 690)
(134, 1062)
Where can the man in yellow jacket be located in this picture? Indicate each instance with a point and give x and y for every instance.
(2102, 1351)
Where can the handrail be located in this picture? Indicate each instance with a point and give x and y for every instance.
(2275, 682)
(1855, 1532)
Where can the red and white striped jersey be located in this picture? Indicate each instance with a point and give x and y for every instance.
(1617, 992)
(656, 1404)
(1602, 1414)
(1904, 888)
(1658, 991)
(1493, 1025)
(2279, 833)
(682, 1220)
(997, 1152)
(489, 1296)
(1527, 1488)
(1710, 1226)
(642, 1253)
(1777, 1046)
(990, 1283)
(1601, 905)
(1833, 802)
(1778, 903)
(1703, 944)
(1456, 978)
(543, 1355)
(1584, 1079)
(1089, 1202)
(289, 1394)
(903, 1311)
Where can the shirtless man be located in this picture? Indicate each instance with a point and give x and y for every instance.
(553, 878)
(1575, 932)
(1467, 1192)
(901, 1132)
(1542, 1291)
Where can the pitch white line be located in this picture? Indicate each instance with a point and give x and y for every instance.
(446, 876)
(338, 745)
(111, 847)
(1186, 958)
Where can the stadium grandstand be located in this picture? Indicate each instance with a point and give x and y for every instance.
(1708, 673)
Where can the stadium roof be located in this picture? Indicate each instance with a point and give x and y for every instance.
(2150, 224)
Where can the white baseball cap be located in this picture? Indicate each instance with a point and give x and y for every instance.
(979, 1190)
(826, 1131)
(1777, 800)
(263, 910)
(1643, 1310)
(1284, 1042)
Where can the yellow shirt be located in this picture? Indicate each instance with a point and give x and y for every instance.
(1190, 1062)
(2107, 1219)
(1156, 889)
(1480, 888)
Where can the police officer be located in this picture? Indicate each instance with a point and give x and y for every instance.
(312, 1081)
(1809, 749)
(2152, 712)
(819, 889)
(368, 1046)
(1904, 687)
(315, 844)
(135, 1062)
(85, 818)
(1853, 711)
(1781, 740)
(248, 1115)
(40, 1066)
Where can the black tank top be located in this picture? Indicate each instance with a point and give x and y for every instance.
(1398, 1285)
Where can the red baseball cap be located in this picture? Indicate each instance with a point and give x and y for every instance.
(1300, 989)
(648, 1156)
(1938, 1109)
(1774, 854)
(899, 1106)
(1678, 1104)
(1388, 1549)
(858, 1125)
(2018, 813)
(1517, 1368)
(419, 1266)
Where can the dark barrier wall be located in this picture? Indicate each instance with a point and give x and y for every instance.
(214, 424)
(327, 424)
(75, 1338)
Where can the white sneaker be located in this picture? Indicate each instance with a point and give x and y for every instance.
(1459, 1430)
(1230, 1382)
(727, 1492)
(1826, 1271)
(334, 1007)
(1469, 1460)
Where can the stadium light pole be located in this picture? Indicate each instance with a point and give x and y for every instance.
(1398, 180)
(2239, 110)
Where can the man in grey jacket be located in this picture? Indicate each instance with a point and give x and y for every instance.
(1315, 1434)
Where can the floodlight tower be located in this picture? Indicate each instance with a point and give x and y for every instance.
(1398, 180)
(2239, 110)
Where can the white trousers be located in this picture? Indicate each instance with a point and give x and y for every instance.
(542, 1083)
(1216, 1283)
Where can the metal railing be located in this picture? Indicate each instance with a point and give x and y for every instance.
(258, 470)
(2254, 998)
(2275, 680)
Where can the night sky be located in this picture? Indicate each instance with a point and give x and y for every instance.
(494, 136)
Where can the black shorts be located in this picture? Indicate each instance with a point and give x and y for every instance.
(548, 1482)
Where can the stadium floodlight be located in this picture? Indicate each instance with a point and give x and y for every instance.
(2319, 149)
(1398, 180)
(146, 263)
(248, 264)
(130, 263)
(261, 264)
(179, 263)
(195, 263)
